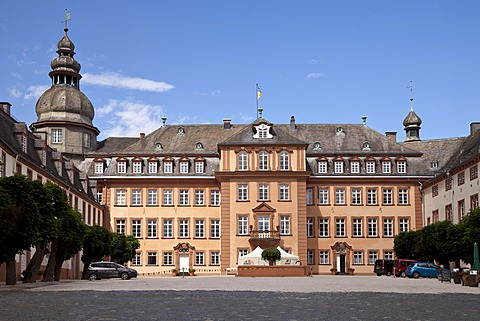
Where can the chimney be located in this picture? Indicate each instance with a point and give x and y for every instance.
(364, 120)
(227, 123)
(474, 127)
(391, 135)
(292, 123)
(58, 161)
(5, 107)
(142, 135)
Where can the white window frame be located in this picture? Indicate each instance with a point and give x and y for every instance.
(338, 167)
(370, 167)
(121, 197)
(324, 257)
(242, 161)
(168, 197)
(401, 167)
(284, 160)
(199, 167)
(372, 257)
(168, 258)
(357, 258)
(404, 224)
(215, 229)
(137, 228)
(136, 197)
(322, 167)
(98, 167)
(184, 167)
(263, 160)
(168, 167)
(324, 227)
(183, 226)
(284, 224)
(263, 192)
(199, 228)
(403, 196)
(215, 258)
(387, 196)
(284, 192)
(371, 196)
(184, 197)
(242, 225)
(137, 167)
(199, 258)
(120, 226)
(340, 227)
(388, 227)
(356, 196)
(372, 227)
(152, 196)
(354, 167)
(167, 228)
(56, 136)
(339, 196)
(357, 227)
(152, 228)
(242, 192)
(153, 167)
(199, 197)
(215, 197)
(122, 167)
(310, 227)
(386, 167)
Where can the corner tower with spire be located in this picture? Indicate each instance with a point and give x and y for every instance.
(64, 113)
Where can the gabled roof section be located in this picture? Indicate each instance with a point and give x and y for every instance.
(114, 144)
(468, 150)
(246, 136)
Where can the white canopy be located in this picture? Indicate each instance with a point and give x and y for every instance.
(255, 258)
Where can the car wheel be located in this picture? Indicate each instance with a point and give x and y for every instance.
(379, 274)
(389, 273)
(403, 274)
(93, 277)
(124, 276)
(416, 275)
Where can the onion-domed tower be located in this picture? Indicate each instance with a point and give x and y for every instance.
(64, 113)
(412, 122)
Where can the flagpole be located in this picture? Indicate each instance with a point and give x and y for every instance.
(256, 96)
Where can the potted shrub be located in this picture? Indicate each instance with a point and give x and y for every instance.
(174, 272)
(271, 255)
(191, 271)
(351, 271)
(333, 271)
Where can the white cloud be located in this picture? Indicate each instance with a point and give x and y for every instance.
(14, 92)
(34, 92)
(112, 79)
(129, 118)
(314, 75)
(213, 92)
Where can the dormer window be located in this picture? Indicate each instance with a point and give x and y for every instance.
(338, 167)
(184, 167)
(263, 131)
(137, 166)
(386, 167)
(158, 146)
(322, 166)
(152, 166)
(434, 164)
(401, 167)
(122, 166)
(370, 167)
(99, 167)
(24, 143)
(199, 165)
(181, 131)
(354, 166)
(168, 166)
(317, 146)
(199, 146)
(366, 146)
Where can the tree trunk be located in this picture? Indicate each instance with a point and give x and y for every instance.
(58, 270)
(11, 266)
(31, 272)
(50, 269)
(84, 272)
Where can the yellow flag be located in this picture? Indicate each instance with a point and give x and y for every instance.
(259, 93)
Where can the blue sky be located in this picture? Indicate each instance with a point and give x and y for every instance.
(198, 61)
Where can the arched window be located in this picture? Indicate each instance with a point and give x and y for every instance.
(284, 159)
(242, 161)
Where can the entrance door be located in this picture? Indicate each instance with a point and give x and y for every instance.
(184, 264)
(341, 263)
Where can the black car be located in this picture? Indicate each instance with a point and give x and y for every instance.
(383, 267)
(100, 270)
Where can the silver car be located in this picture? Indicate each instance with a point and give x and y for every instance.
(100, 270)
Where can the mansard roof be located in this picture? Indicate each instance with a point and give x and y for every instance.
(468, 150)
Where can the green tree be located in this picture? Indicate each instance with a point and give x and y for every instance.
(46, 232)
(19, 220)
(442, 241)
(123, 248)
(470, 225)
(97, 244)
(407, 245)
(272, 255)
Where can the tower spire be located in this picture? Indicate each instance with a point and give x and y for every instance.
(411, 95)
(67, 17)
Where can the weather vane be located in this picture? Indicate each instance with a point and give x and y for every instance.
(67, 17)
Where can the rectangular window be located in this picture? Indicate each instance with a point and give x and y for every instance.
(152, 228)
(284, 192)
(357, 227)
(388, 255)
(357, 258)
(183, 228)
(152, 167)
(121, 197)
(167, 228)
(284, 225)
(136, 197)
(474, 201)
(386, 167)
(322, 167)
(99, 197)
(356, 196)
(403, 196)
(461, 209)
(152, 258)
(214, 197)
(199, 167)
(310, 257)
(152, 197)
(87, 140)
(122, 167)
(137, 228)
(215, 229)
(401, 167)
(387, 196)
(473, 172)
(338, 167)
(183, 167)
(242, 192)
(167, 197)
(167, 258)
(404, 225)
(200, 228)
(263, 160)
(355, 167)
(215, 258)
(137, 167)
(372, 197)
(449, 213)
(242, 161)
(324, 227)
(120, 226)
(448, 183)
(309, 196)
(263, 192)
(242, 252)
(323, 196)
(284, 160)
(387, 227)
(263, 223)
(184, 197)
(98, 167)
(339, 196)
(340, 227)
(461, 178)
(242, 225)
(199, 197)
(370, 165)
(435, 216)
(56, 136)
(372, 227)
(310, 232)
(372, 257)
(324, 257)
(199, 258)
(137, 259)
(168, 167)
(434, 190)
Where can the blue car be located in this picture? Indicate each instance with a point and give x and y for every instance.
(423, 269)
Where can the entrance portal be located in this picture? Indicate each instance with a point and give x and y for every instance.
(341, 263)
(184, 265)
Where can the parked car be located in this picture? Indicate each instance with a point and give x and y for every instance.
(423, 269)
(383, 267)
(400, 266)
(100, 270)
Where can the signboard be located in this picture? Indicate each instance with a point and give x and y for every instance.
(446, 275)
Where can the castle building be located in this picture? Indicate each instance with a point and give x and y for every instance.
(201, 196)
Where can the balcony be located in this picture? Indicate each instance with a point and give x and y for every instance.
(264, 239)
